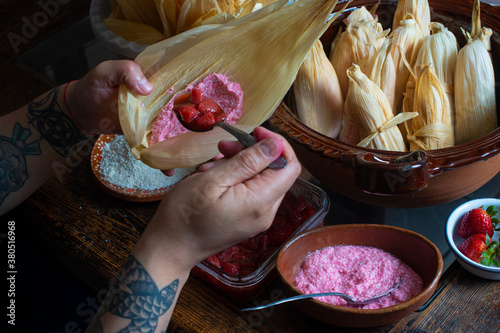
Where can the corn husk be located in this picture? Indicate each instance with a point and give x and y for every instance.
(371, 111)
(318, 98)
(407, 39)
(171, 17)
(379, 67)
(475, 103)
(234, 49)
(142, 34)
(362, 33)
(440, 50)
(418, 8)
(432, 128)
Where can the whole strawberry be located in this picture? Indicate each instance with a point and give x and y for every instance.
(478, 221)
(480, 249)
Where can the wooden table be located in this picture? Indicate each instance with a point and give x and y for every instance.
(90, 233)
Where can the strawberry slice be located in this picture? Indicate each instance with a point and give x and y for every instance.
(188, 113)
(204, 122)
(197, 96)
(208, 105)
(478, 221)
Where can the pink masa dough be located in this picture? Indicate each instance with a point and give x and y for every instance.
(358, 271)
(228, 95)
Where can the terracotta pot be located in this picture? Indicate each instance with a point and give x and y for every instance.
(412, 248)
(395, 179)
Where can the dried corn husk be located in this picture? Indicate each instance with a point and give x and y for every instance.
(234, 49)
(475, 104)
(420, 11)
(362, 33)
(370, 110)
(140, 33)
(439, 50)
(432, 128)
(318, 98)
(407, 39)
(171, 17)
(379, 67)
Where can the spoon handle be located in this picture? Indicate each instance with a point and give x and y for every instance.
(248, 140)
(298, 297)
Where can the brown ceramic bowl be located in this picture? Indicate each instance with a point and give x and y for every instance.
(410, 247)
(394, 179)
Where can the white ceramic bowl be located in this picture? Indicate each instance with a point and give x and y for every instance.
(100, 9)
(453, 239)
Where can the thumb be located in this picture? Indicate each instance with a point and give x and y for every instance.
(251, 161)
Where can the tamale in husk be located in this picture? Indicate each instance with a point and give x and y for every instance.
(371, 111)
(440, 50)
(432, 128)
(362, 33)
(419, 9)
(318, 98)
(378, 66)
(407, 39)
(475, 102)
(235, 49)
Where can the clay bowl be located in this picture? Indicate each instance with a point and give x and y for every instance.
(410, 247)
(395, 179)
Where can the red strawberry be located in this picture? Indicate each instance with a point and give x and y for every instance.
(188, 113)
(231, 269)
(203, 122)
(209, 105)
(214, 260)
(196, 96)
(481, 249)
(477, 221)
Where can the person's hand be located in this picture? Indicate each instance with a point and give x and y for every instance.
(92, 100)
(232, 200)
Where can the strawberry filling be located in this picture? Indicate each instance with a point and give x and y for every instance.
(197, 112)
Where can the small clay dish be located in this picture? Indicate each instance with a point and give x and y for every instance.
(453, 239)
(129, 194)
(412, 248)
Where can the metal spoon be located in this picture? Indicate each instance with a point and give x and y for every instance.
(350, 300)
(248, 140)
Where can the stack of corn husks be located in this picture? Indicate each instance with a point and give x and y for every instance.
(406, 89)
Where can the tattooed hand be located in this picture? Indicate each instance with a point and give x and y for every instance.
(93, 99)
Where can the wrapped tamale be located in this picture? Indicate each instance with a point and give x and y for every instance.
(418, 8)
(407, 39)
(475, 103)
(318, 98)
(362, 33)
(256, 51)
(379, 67)
(432, 128)
(439, 50)
(369, 108)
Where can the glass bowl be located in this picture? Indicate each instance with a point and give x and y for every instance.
(249, 286)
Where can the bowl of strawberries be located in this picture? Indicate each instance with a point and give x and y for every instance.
(472, 233)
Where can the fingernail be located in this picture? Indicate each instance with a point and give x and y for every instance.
(144, 85)
(270, 147)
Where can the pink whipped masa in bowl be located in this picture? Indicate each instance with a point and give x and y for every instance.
(228, 95)
(358, 271)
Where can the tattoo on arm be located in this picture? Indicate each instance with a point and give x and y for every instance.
(13, 151)
(135, 296)
(59, 130)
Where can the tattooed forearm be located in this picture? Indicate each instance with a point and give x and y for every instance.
(13, 151)
(135, 296)
(54, 125)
